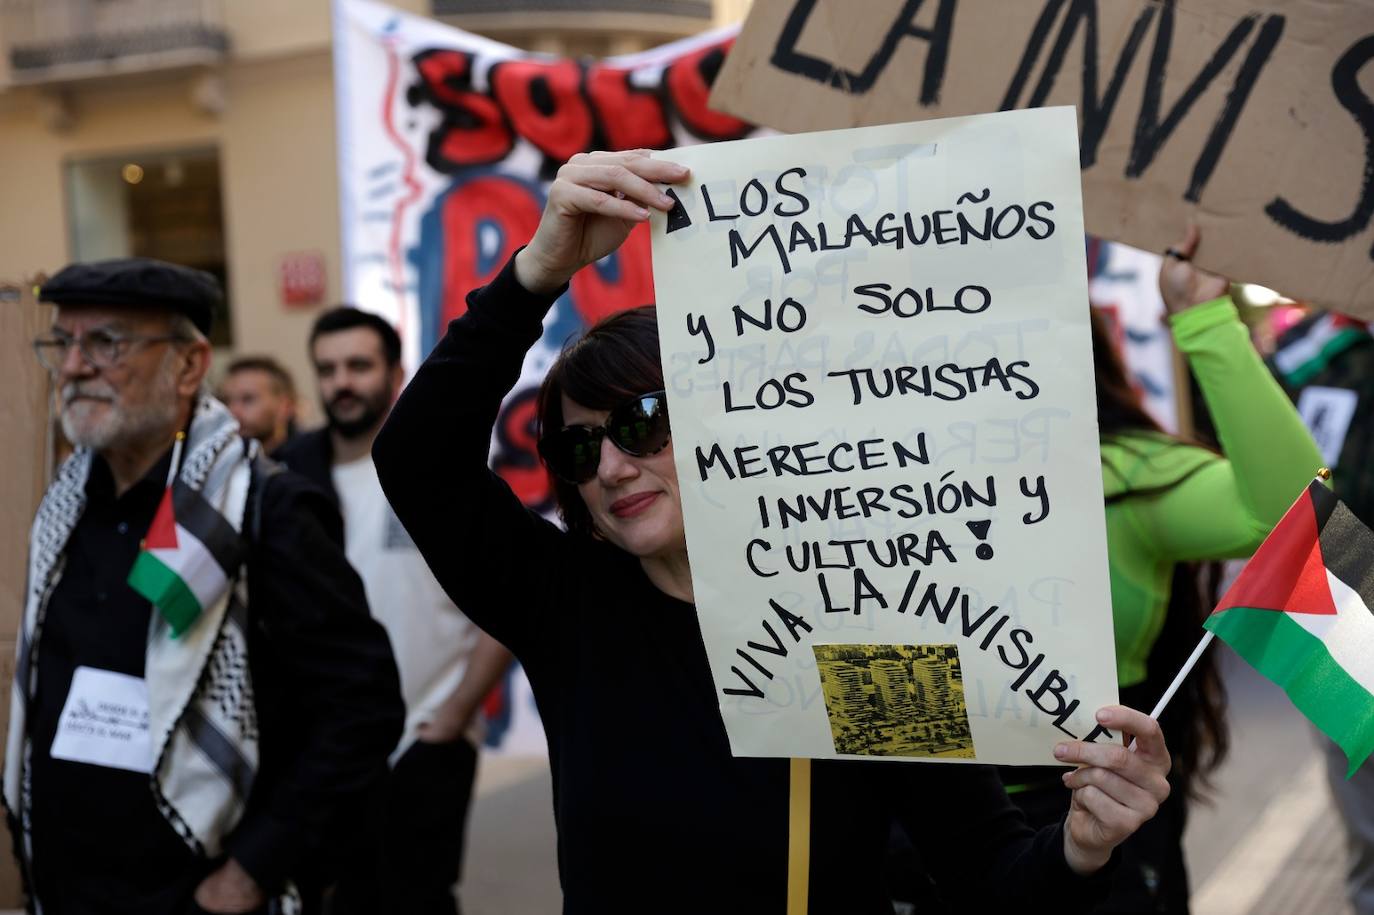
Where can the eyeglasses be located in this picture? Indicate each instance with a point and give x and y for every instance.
(100, 348)
(638, 427)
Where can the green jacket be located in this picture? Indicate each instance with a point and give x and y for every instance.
(1170, 502)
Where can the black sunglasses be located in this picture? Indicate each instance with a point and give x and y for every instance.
(638, 427)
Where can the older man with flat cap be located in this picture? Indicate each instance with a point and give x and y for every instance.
(201, 695)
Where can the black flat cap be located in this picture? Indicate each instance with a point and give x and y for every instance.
(137, 282)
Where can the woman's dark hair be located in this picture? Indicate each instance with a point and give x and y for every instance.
(615, 360)
(1194, 725)
(1118, 404)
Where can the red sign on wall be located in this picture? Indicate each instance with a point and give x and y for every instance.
(302, 278)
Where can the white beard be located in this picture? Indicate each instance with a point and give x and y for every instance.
(84, 425)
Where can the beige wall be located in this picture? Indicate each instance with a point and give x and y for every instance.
(728, 12)
(281, 196)
(276, 144)
(260, 28)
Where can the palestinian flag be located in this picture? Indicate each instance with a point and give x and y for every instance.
(1301, 615)
(189, 555)
(1310, 346)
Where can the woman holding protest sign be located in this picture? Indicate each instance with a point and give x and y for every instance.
(1172, 504)
(652, 810)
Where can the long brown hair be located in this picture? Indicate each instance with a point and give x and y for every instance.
(1194, 725)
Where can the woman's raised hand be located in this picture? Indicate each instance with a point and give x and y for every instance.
(1115, 789)
(593, 204)
(1180, 283)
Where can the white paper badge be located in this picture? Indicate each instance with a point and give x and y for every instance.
(1327, 413)
(105, 722)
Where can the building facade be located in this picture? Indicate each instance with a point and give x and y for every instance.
(845, 697)
(203, 132)
(933, 687)
(892, 689)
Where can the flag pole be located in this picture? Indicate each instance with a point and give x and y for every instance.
(171, 473)
(176, 458)
(1323, 474)
(1178, 680)
(1183, 672)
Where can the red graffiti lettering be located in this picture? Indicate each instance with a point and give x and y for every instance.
(495, 700)
(544, 102)
(562, 109)
(626, 282)
(472, 132)
(500, 206)
(689, 87)
(630, 118)
(517, 455)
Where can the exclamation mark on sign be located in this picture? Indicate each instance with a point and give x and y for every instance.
(979, 529)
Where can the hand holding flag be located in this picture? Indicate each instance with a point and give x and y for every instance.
(1116, 789)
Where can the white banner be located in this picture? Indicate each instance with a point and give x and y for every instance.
(447, 144)
(1124, 283)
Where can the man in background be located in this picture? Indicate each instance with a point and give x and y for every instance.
(447, 665)
(262, 397)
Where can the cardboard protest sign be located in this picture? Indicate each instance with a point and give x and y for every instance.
(1254, 119)
(878, 361)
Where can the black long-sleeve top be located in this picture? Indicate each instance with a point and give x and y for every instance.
(651, 808)
(327, 699)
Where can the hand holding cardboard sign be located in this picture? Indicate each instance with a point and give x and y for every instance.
(1183, 285)
(593, 204)
(1116, 789)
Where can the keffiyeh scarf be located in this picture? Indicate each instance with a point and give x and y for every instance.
(202, 716)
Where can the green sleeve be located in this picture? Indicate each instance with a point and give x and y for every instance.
(1227, 508)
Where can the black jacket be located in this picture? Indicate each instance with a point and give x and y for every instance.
(327, 699)
(329, 694)
(311, 454)
(652, 810)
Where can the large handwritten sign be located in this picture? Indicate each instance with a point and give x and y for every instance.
(1256, 119)
(878, 361)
